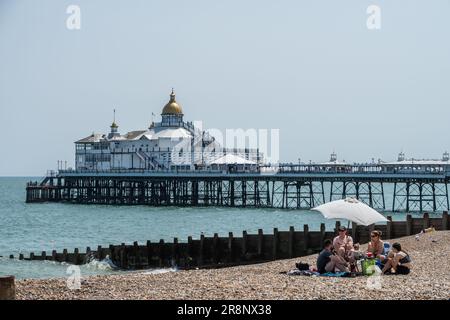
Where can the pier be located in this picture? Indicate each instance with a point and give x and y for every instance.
(177, 163)
(420, 186)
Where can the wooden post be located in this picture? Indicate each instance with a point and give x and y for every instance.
(32, 256)
(88, 253)
(175, 255)
(75, 256)
(275, 244)
(306, 238)
(291, 242)
(388, 228)
(143, 257)
(230, 247)
(200, 253)
(64, 256)
(21, 256)
(99, 253)
(149, 252)
(322, 234)
(355, 235)
(161, 253)
(244, 244)
(215, 252)
(445, 220)
(426, 220)
(336, 229)
(7, 288)
(122, 256)
(260, 243)
(136, 260)
(188, 257)
(111, 252)
(54, 255)
(369, 230)
(409, 225)
(87, 257)
(44, 255)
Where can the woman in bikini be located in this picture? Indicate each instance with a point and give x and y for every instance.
(376, 245)
(398, 261)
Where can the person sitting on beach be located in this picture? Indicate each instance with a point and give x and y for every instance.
(357, 254)
(398, 261)
(343, 245)
(376, 245)
(327, 261)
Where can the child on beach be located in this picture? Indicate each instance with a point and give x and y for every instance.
(398, 261)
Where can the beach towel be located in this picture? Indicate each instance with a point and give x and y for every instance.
(309, 273)
(296, 272)
(335, 274)
(342, 274)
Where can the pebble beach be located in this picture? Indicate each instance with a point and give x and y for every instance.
(429, 279)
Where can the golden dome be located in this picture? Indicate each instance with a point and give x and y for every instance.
(172, 107)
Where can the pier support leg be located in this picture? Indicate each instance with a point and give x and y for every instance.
(407, 197)
(232, 193)
(446, 196)
(434, 197)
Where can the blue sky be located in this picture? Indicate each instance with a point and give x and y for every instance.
(310, 68)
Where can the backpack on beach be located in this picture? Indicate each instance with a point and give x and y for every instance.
(302, 266)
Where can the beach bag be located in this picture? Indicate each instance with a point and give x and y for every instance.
(386, 248)
(368, 266)
(302, 266)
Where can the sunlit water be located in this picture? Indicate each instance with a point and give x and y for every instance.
(26, 228)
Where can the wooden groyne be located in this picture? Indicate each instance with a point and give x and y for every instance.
(215, 252)
(7, 288)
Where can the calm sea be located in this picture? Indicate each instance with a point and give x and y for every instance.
(26, 228)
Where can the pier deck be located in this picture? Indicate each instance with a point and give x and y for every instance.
(415, 188)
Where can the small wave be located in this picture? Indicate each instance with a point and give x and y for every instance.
(103, 265)
(159, 271)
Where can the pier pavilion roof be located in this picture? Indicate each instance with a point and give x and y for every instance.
(232, 159)
(94, 137)
(157, 133)
(171, 133)
(134, 135)
(152, 134)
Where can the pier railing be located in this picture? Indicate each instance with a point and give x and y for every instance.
(364, 168)
(283, 169)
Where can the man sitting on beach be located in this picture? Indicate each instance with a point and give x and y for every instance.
(343, 245)
(327, 261)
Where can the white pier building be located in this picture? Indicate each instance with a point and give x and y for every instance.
(171, 144)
